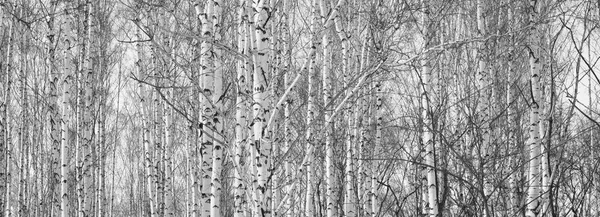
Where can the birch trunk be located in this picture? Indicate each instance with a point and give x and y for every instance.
(194, 164)
(169, 135)
(4, 125)
(287, 127)
(483, 106)
(207, 74)
(87, 123)
(102, 201)
(312, 92)
(254, 207)
(547, 104)
(431, 205)
(196, 127)
(349, 199)
(288, 137)
(146, 119)
(240, 115)
(511, 124)
(69, 45)
(378, 124)
(218, 121)
(54, 117)
(156, 135)
(23, 130)
(327, 98)
(243, 70)
(364, 119)
(272, 122)
(533, 178)
(262, 140)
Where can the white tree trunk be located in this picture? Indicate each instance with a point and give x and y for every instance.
(148, 146)
(483, 106)
(261, 106)
(240, 115)
(312, 77)
(545, 130)
(4, 125)
(54, 118)
(196, 151)
(533, 178)
(431, 205)
(378, 124)
(327, 98)
(87, 122)
(68, 40)
(511, 125)
(349, 201)
(217, 102)
(207, 75)
(287, 125)
(168, 145)
(363, 188)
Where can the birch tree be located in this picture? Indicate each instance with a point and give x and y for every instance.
(217, 102)
(533, 177)
(68, 47)
(432, 204)
(4, 121)
(241, 112)
(312, 76)
(207, 79)
(88, 125)
(262, 142)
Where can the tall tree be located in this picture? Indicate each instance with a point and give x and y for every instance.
(533, 176)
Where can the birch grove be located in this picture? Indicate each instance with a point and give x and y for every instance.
(308, 108)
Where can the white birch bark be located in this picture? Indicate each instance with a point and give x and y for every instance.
(287, 126)
(511, 124)
(378, 124)
(533, 178)
(543, 157)
(431, 205)
(5, 126)
(312, 77)
(241, 129)
(102, 201)
(365, 119)
(146, 119)
(360, 147)
(54, 116)
(191, 165)
(207, 75)
(168, 170)
(252, 197)
(545, 124)
(327, 98)
(261, 108)
(156, 135)
(68, 46)
(272, 121)
(87, 122)
(194, 163)
(196, 143)
(218, 107)
(361, 123)
(23, 131)
(483, 105)
(349, 201)
(169, 134)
